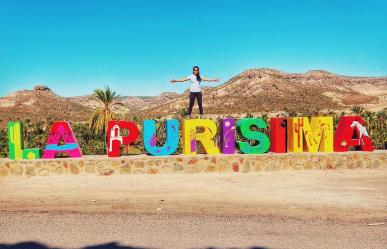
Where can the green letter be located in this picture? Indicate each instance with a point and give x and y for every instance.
(16, 143)
(244, 126)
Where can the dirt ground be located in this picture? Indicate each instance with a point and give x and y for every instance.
(346, 195)
(321, 201)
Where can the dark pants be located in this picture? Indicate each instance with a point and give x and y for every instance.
(192, 96)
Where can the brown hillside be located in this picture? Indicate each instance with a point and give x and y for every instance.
(130, 103)
(269, 90)
(254, 90)
(39, 104)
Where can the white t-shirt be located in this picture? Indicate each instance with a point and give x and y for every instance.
(195, 84)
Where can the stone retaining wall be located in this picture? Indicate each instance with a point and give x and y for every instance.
(143, 164)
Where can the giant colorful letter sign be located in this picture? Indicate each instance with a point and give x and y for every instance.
(313, 137)
(351, 132)
(278, 135)
(190, 136)
(227, 138)
(245, 129)
(115, 139)
(172, 137)
(61, 140)
(16, 143)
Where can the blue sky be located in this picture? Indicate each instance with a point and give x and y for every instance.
(136, 47)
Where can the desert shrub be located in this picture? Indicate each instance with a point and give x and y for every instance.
(3, 143)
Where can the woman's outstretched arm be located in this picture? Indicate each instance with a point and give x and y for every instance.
(210, 80)
(181, 80)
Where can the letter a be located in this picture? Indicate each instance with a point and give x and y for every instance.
(351, 132)
(61, 140)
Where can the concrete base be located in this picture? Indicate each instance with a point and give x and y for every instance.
(144, 164)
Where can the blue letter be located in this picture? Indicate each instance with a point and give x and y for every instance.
(171, 141)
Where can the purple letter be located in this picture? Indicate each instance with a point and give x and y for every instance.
(227, 138)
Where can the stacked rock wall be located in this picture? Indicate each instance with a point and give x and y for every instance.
(144, 164)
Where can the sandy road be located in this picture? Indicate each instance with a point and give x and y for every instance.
(74, 230)
(287, 209)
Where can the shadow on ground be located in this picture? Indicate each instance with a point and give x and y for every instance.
(112, 245)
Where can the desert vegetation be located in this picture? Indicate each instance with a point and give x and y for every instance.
(91, 134)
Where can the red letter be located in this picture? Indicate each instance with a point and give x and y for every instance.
(352, 132)
(114, 138)
(278, 135)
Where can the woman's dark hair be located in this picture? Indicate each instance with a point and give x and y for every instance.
(198, 78)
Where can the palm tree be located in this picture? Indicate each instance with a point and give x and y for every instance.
(100, 118)
(381, 119)
(290, 113)
(357, 110)
(368, 117)
(182, 112)
(249, 115)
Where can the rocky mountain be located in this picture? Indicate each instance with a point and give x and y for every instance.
(254, 90)
(268, 90)
(39, 104)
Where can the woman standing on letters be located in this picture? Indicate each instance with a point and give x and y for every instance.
(195, 90)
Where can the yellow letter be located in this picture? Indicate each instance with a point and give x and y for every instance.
(314, 136)
(190, 136)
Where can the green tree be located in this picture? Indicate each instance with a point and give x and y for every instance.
(99, 119)
(357, 110)
(3, 143)
(290, 113)
(182, 112)
(90, 143)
